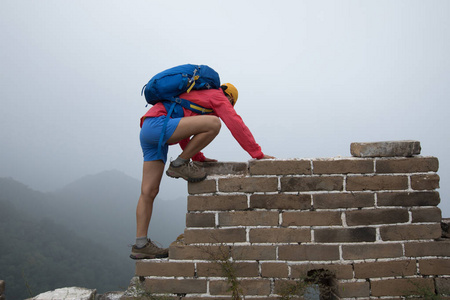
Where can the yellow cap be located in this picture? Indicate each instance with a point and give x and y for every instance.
(231, 91)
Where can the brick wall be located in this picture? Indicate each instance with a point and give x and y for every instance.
(371, 220)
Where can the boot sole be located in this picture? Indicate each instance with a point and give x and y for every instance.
(188, 179)
(144, 256)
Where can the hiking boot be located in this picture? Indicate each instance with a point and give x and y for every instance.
(150, 250)
(188, 171)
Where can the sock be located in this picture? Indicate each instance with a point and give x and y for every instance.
(141, 241)
(179, 161)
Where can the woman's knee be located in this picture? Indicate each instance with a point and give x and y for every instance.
(215, 124)
(149, 193)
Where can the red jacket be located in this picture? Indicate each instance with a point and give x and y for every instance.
(217, 101)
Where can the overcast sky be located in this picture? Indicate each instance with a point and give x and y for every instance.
(313, 76)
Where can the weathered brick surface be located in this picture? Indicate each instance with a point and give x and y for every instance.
(421, 215)
(248, 184)
(370, 251)
(407, 165)
(164, 268)
(343, 166)
(377, 183)
(308, 252)
(205, 186)
(340, 271)
(312, 218)
(421, 249)
(351, 289)
(215, 269)
(376, 216)
(200, 220)
(280, 167)
(343, 200)
(248, 218)
(175, 286)
(408, 199)
(249, 287)
(385, 149)
(434, 266)
(221, 168)
(185, 252)
(305, 184)
(231, 235)
(345, 235)
(254, 252)
(274, 270)
(410, 232)
(280, 201)
(385, 269)
(443, 286)
(425, 182)
(400, 286)
(279, 235)
(220, 202)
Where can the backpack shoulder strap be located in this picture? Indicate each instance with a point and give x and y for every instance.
(192, 106)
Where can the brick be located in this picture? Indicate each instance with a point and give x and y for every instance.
(376, 216)
(202, 187)
(407, 165)
(248, 218)
(248, 184)
(249, 287)
(219, 202)
(410, 232)
(385, 149)
(385, 269)
(434, 248)
(175, 286)
(274, 270)
(344, 235)
(408, 199)
(340, 271)
(443, 285)
(253, 252)
(422, 215)
(367, 251)
(400, 286)
(425, 182)
(308, 252)
(158, 268)
(377, 183)
(351, 289)
(215, 269)
(343, 200)
(280, 201)
(280, 167)
(224, 168)
(200, 220)
(230, 235)
(279, 235)
(306, 184)
(434, 266)
(311, 218)
(181, 252)
(343, 166)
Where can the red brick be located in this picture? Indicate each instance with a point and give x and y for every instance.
(373, 250)
(408, 199)
(308, 252)
(385, 269)
(280, 167)
(343, 166)
(434, 248)
(254, 252)
(215, 269)
(280, 201)
(377, 182)
(344, 235)
(434, 266)
(249, 287)
(311, 218)
(351, 289)
(400, 286)
(175, 286)
(422, 215)
(200, 220)
(407, 165)
(410, 232)
(340, 271)
(376, 216)
(274, 270)
(248, 184)
(279, 235)
(248, 218)
(222, 202)
(205, 186)
(162, 269)
(425, 182)
(231, 235)
(306, 184)
(343, 200)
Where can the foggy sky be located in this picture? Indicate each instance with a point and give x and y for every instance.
(313, 76)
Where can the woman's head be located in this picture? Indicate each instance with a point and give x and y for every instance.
(231, 92)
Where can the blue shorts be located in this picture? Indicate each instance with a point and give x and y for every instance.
(150, 135)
